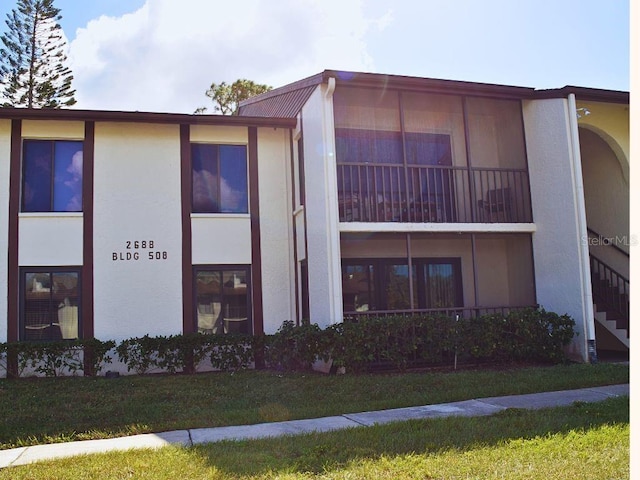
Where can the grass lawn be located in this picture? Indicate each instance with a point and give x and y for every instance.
(583, 441)
(43, 410)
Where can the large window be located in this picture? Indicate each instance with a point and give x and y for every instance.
(52, 176)
(223, 300)
(383, 284)
(50, 304)
(219, 174)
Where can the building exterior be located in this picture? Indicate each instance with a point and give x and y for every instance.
(415, 194)
(340, 195)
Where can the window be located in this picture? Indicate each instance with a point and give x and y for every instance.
(52, 176)
(383, 284)
(223, 300)
(50, 304)
(219, 176)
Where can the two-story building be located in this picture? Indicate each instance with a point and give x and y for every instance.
(415, 194)
(340, 195)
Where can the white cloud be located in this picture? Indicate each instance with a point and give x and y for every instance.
(163, 56)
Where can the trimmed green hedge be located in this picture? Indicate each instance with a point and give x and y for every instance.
(529, 335)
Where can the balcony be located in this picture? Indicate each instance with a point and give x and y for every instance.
(432, 194)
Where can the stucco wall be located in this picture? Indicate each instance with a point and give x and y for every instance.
(221, 239)
(50, 239)
(137, 198)
(557, 241)
(323, 255)
(276, 227)
(5, 151)
(611, 121)
(606, 199)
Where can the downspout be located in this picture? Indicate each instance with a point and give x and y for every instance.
(333, 247)
(581, 218)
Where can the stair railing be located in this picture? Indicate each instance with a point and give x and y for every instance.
(610, 287)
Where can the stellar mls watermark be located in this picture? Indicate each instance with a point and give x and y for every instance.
(617, 241)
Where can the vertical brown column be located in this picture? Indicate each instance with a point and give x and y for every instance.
(87, 244)
(13, 270)
(256, 252)
(87, 229)
(188, 325)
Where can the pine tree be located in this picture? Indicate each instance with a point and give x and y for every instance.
(33, 73)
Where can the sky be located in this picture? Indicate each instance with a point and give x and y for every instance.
(162, 55)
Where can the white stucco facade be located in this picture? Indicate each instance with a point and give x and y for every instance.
(558, 211)
(323, 238)
(136, 199)
(5, 172)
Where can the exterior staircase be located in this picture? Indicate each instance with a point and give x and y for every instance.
(610, 292)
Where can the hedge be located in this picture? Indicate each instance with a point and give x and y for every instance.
(398, 342)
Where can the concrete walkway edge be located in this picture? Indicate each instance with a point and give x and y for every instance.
(467, 408)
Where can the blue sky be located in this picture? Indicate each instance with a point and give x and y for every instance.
(161, 55)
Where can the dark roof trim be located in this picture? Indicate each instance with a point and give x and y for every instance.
(144, 117)
(375, 80)
(586, 94)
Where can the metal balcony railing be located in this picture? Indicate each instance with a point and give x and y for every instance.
(432, 194)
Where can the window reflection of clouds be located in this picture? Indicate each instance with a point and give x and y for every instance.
(63, 160)
(219, 178)
(68, 177)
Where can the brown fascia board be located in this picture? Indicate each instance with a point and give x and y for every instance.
(398, 82)
(586, 94)
(432, 85)
(143, 117)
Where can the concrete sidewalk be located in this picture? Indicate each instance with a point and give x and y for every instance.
(468, 408)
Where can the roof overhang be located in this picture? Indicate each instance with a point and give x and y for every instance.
(143, 117)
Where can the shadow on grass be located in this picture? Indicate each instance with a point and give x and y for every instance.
(330, 451)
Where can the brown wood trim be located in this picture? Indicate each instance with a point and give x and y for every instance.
(256, 252)
(13, 268)
(303, 180)
(188, 324)
(144, 117)
(87, 229)
(293, 221)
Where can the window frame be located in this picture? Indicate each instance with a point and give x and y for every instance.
(23, 176)
(222, 268)
(378, 268)
(24, 271)
(219, 209)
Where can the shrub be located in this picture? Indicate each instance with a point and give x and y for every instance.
(96, 354)
(140, 354)
(231, 352)
(294, 347)
(530, 335)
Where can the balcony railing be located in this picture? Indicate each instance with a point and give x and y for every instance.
(462, 312)
(432, 194)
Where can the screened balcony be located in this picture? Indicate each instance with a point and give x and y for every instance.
(424, 273)
(425, 158)
(423, 194)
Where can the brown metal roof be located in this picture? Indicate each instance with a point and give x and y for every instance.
(286, 104)
(143, 117)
